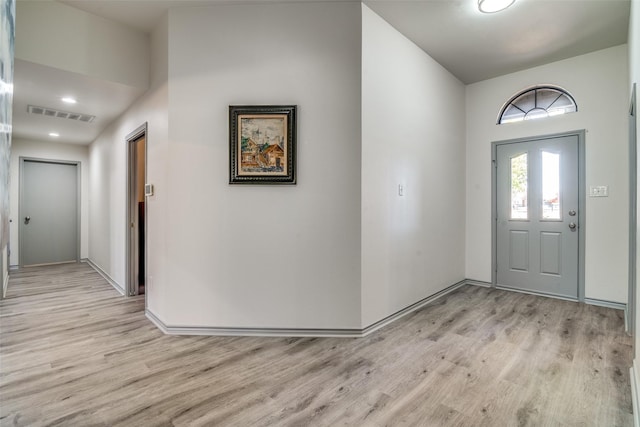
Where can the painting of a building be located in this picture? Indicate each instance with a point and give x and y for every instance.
(262, 145)
(250, 152)
(274, 155)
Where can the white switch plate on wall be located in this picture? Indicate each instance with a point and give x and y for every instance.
(599, 191)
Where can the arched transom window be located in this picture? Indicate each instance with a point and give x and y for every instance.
(537, 103)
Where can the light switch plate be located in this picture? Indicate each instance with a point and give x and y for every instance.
(148, 190)
(599, 191)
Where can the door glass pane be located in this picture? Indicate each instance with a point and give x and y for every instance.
(519, 195)
(512, 114)
(550, 185)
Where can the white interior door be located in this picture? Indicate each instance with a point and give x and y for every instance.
(48, 212)
(537, 239)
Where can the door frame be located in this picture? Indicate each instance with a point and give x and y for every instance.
(78, 166)
(581, 207)
(633, 214)
(131, 287)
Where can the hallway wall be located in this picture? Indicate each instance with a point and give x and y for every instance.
(301, 256)
(412, 111)
(255, 255)
(243, 256)
(108, 180)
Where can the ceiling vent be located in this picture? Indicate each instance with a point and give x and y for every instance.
(50, 112)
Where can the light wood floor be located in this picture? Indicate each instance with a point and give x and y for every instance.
(75, 353)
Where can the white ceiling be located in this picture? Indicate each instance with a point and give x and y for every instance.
(43, 86)
(475, 46)
(471, 45)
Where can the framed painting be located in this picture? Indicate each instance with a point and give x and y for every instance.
(262, 144)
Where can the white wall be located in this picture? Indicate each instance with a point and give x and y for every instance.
(634, 43)
(49, 151)
(302, 242)
(412, 135)
(108, 180)
(352, 251)
(81, 42)
(266, 256)
(598, 82)
(634, 77)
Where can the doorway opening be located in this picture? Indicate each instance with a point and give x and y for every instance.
(49, 227)
(136, 211)
(538, 205)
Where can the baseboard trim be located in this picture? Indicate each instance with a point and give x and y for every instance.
(101, 272)
(409, 309)
(480, 283)
(590, 301)
(607, 304)
(334, 333)
(299, 332)
(634, 394)
(251, 332)
(538, 294)
(5, 286)
(613, 305)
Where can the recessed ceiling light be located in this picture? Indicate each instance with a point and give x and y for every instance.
(54, 134)
(69, 100)
(492, 6)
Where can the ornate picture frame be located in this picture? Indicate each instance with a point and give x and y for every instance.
(262, 144)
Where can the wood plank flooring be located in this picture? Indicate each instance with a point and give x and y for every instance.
(75, 353)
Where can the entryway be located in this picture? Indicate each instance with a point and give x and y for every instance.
(49, 212)
(539, 215)
(136, 230)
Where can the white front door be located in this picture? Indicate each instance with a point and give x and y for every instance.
(537, 239)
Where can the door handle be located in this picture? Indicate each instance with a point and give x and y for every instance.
(572, 226)
(27, 219)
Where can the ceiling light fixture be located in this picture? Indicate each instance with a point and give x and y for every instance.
(54, 134)
(492, 6)
(69, 100)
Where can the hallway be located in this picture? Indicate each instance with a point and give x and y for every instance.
(74, 352)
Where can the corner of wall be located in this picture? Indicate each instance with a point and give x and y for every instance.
(633, 377)
(159, 57)
(117, 286)
(4, 268)
(411, 247)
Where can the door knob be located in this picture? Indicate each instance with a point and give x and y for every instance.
(572, 213)
(27, 219)
(572, 226)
